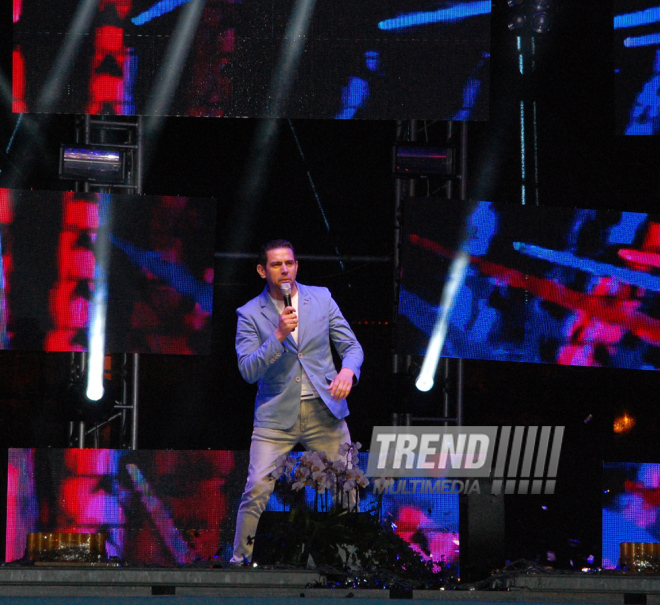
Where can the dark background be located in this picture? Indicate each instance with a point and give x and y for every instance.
(202, 402)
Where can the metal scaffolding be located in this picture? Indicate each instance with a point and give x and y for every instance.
(123, 133)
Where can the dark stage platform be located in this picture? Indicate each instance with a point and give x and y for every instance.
(107, 581)
(71, 584)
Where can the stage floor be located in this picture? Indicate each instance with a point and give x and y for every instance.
(181, 586)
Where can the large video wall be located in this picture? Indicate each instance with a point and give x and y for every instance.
(637, 66)
(175, 507)
(631, 507)
(142, 264)
(361, 59)
(536, 284)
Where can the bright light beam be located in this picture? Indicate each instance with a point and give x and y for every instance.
(295, 38)
(257, 167)
(35, 136)
(454, 13)
(455, 279)
(159, 516)
(280, 87)
(80, 26)
(5, 90)
(175, 58)
(169, 75)
(96, 333)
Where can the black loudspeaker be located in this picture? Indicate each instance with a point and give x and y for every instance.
(266, 549)
(482, 533)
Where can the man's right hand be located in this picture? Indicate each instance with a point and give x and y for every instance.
(287, 324)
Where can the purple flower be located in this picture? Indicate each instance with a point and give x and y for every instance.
(344, 448)
(339, 466)
(381, 483)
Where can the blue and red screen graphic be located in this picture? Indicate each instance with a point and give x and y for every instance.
(631, 507)
(537, 284)
(143, 264)
(361, 59)
(175, 507)
(637, 66)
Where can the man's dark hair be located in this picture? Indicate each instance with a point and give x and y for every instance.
(272, 245)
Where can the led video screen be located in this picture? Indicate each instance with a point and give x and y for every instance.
(530, 284)
(136, 269)
(176, 507)
(631, 507)
(157, 507)
(637, 66)
(254, 58)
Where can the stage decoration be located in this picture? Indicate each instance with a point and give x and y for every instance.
(58, 547)
(352, 548)
(639, 557)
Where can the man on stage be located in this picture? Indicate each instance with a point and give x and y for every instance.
(283, 344)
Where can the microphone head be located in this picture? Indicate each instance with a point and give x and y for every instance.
(285, 289)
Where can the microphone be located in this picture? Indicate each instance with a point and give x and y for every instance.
(286, 293)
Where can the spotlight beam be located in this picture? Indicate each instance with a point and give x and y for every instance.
(294, 41)
(257, 168)
(280, 87)
(5, 90)
(13, 134)
(96, 332)
(169, 74)
(455, 279)
(177, 52)
(56, 80)
(10, 144)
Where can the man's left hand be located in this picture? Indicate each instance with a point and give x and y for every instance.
(341, 384)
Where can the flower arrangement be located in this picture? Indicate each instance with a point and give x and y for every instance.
(352, 547)
(340, 478)
(326, 530)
